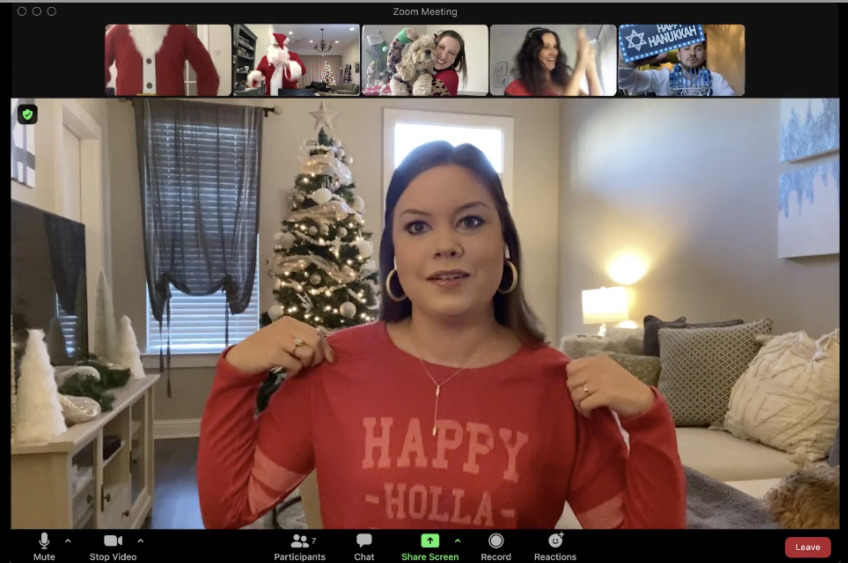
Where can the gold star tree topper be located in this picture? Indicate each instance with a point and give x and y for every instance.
(323, 117)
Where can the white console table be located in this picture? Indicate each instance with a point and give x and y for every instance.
(67, 483)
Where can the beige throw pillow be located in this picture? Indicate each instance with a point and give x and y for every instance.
(789, 396)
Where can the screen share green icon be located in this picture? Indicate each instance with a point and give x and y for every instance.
(430, 540)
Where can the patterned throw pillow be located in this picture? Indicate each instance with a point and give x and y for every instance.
(645, 368)
(700, 367)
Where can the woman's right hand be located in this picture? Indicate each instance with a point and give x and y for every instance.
(585, 49)
(287, 343)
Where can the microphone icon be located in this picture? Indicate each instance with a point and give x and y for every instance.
(44, 541)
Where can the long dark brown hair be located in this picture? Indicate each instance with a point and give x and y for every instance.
(530, 70)
(459, 63)
(511, 310)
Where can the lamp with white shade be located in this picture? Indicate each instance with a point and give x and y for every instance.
(605, 305)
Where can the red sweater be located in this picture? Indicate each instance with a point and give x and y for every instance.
(164, 73)
(518, 88)
(510, 448)
(450, 79)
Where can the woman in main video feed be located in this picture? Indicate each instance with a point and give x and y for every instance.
(543, 67)
(451, 411)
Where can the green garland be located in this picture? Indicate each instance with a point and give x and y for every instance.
(85, 385)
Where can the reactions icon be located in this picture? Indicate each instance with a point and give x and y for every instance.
(555, 540)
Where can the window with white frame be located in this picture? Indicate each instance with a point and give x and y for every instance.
(199, 322)
(404, 130)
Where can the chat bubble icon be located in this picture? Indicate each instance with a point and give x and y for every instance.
(363, 540)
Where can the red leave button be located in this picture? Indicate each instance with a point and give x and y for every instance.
(807, 548)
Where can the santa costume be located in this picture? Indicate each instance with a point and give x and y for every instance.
(150, 60)
(280, 68)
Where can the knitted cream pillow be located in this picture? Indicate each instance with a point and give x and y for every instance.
(789, 396)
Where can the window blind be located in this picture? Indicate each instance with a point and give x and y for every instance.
(199, 323)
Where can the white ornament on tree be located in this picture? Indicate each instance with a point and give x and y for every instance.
(365, 248)
(128, 354)
(105, 331)
(342, 232)
(347, 309)
(322, 195)
(276, 311)
(358, 204)
(39, 412)
(313, 230)
(286, 240)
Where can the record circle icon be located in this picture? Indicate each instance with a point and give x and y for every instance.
(496, 541)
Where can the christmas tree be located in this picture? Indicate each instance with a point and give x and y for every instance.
(324, 274)
(328, 76)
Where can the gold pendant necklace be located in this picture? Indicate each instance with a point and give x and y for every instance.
(433, 379)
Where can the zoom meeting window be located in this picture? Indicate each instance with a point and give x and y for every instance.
(423, 287)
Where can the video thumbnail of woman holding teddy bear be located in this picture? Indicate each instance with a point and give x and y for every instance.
(425, 61)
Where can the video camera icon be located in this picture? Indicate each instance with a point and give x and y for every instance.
(113, 541)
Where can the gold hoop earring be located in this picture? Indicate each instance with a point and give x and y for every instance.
(514, 279)
(392, 296)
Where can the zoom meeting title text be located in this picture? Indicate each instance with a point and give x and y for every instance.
(438, 12)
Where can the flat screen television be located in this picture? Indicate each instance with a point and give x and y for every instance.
(49, 283)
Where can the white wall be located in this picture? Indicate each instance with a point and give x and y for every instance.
(476, 39)
(263, 32)
(700, 204)
(218, 40)
(506, 42)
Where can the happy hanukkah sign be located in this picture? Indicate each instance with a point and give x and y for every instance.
(642, 41)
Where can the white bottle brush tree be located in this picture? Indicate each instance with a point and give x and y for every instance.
(128, 354)
(38, 410)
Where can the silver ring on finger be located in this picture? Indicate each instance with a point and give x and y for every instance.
(298, 342)
(586, 390)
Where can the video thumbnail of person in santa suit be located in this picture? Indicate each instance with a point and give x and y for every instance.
(279, 68)
(150, 60)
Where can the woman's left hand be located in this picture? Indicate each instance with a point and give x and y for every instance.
(599, 381)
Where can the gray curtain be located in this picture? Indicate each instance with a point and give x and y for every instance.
(198, 167)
